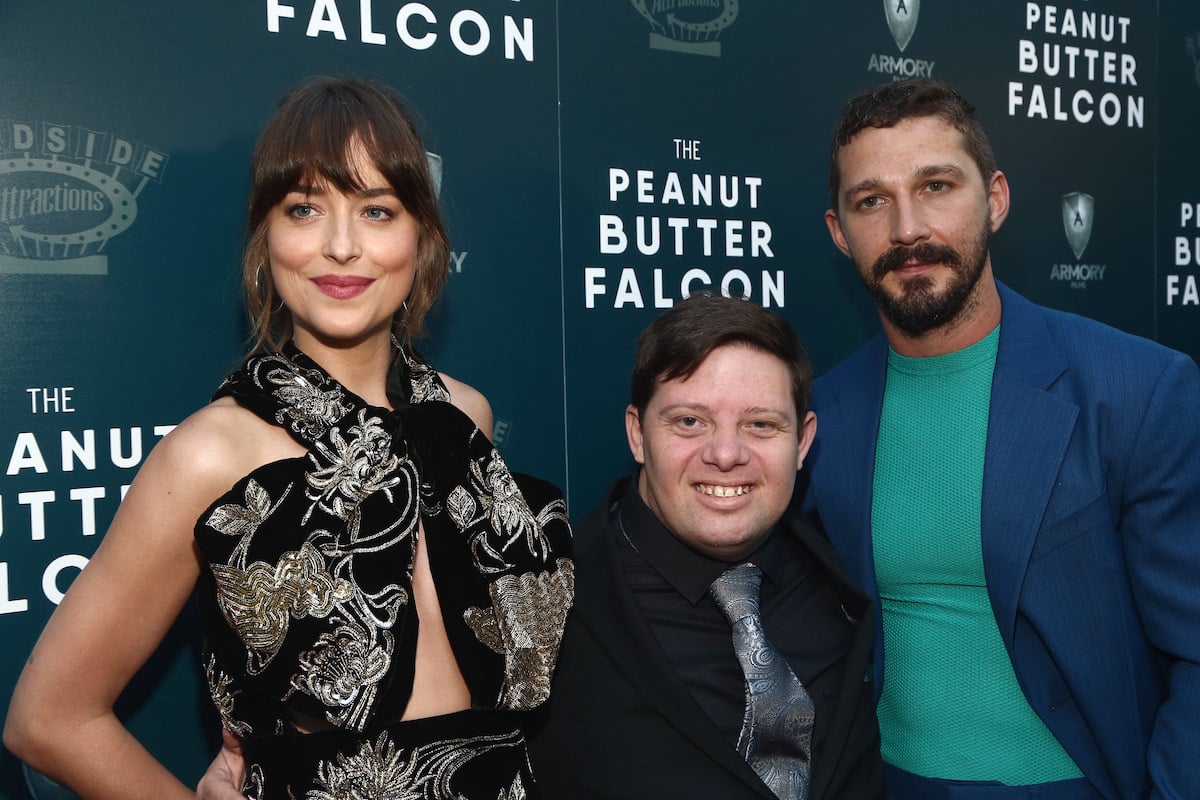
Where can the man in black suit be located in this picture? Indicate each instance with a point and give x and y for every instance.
(649, 699)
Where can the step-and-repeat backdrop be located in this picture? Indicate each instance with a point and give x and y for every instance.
(601, 160)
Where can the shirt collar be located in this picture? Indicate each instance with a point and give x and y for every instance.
(688, 571)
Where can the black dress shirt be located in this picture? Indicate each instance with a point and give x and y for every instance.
(801, 615)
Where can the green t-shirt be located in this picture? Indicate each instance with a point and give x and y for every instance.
(951, 706)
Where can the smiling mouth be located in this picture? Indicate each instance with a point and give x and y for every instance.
(342, 287)
(713, 490)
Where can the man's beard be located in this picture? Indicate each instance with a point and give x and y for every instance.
(918, 307)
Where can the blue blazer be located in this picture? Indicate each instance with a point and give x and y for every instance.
(1090, 527)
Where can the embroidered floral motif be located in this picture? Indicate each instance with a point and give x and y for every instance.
(222, 697)
(342, 671)
(253, 787)
(525, 625)
(309, 402)
(346, 471)
(259, 601)
(461, 507)
(514, 792)
(424, 381)
(380, 771)
(510, 522)
(331, 539)
(232, 519)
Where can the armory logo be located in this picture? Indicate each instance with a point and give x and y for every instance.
(64, 192)
(1077, 209)
(1078, 215)
(901, 18)
(688, 26)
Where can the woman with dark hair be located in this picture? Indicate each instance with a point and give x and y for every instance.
(381, 598)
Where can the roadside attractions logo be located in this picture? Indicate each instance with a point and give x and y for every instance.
(901, 16)
(664, 234)
(65, 191)
(414, 25)
(1080, 66)
(1078, 216)
(688, 26)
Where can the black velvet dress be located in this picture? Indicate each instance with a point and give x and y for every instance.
(306, 602)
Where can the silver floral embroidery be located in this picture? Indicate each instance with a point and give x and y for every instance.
(350, 458)
(307, 408)
(461, 506)
(259, 601)
(232, 519)
(424, 381)
(380, 771)
(525, 624)
(343, 670)
(223, 698)
(254, 785)
(514, 792)
(352, 469)
(510, 522)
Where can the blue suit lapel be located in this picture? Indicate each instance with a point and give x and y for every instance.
(851, 465)
(849, 404)
(1028, 432)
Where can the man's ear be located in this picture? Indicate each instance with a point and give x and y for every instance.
(633, 432)
(836, 233)
(808, 432)
(998, 199)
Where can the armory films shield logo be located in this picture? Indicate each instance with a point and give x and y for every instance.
(1078, 216)
(1077, 211)
(902, 20)
(64, 192)
(688, 26)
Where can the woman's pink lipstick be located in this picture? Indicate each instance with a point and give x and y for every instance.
(342, 287)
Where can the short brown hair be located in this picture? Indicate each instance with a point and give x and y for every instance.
(889, 103)
(310, 139)
(678, 342)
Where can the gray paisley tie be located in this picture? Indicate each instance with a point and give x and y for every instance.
(776, 737)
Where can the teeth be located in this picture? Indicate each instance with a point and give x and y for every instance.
(722, 491)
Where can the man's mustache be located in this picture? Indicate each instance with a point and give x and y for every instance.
(927, 252)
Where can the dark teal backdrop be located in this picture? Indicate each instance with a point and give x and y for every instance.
(601, 158)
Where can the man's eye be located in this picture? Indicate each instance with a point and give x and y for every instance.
(937, 186)
(869, 202)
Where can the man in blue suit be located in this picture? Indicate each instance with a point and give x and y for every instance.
(1018, 487)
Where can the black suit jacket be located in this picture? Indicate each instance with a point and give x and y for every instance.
(621, 724)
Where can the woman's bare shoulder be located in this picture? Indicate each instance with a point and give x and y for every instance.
(222, 442)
